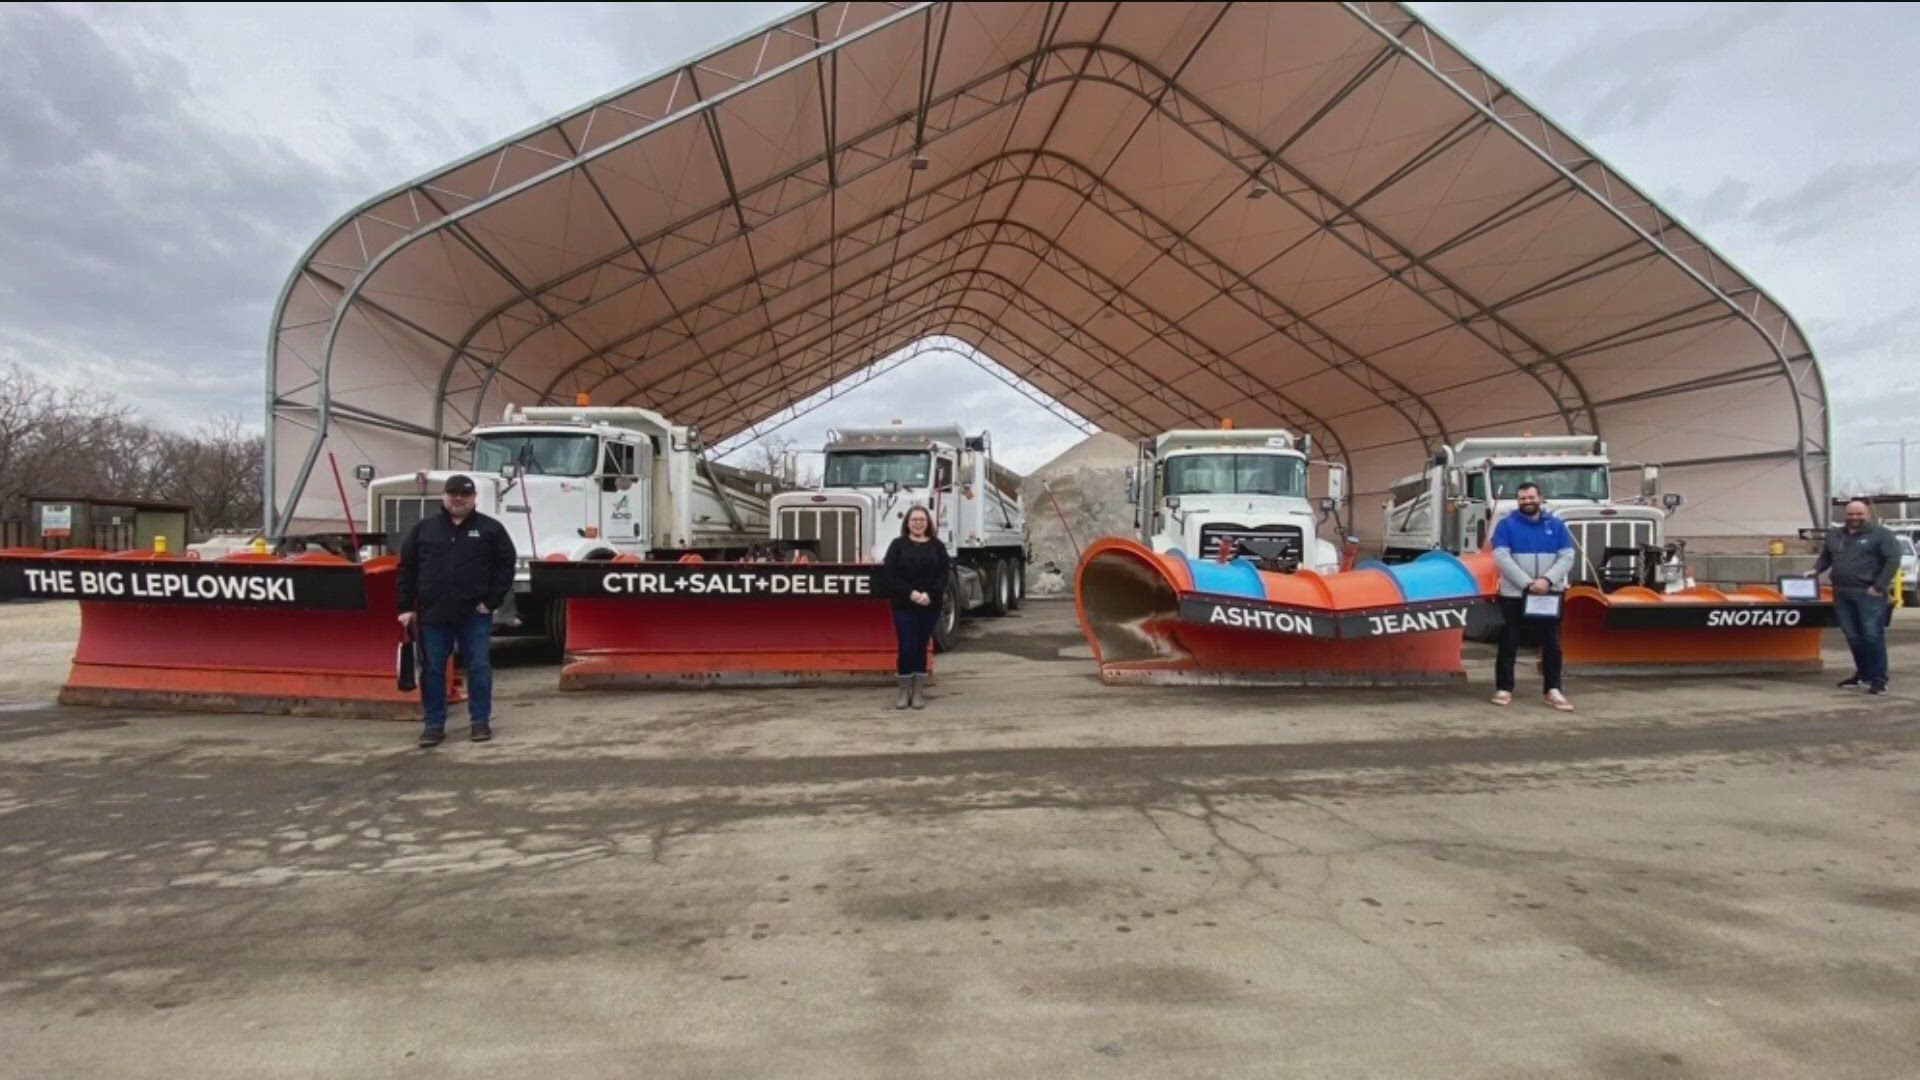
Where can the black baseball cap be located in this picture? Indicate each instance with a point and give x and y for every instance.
(459, 484)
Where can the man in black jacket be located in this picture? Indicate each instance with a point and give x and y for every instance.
(1862, 557)
(456, 568)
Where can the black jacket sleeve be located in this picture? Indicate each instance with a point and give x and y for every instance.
(501, 562)
(410, 569)
(946, 564)
(1889, 562)
(1825, 561)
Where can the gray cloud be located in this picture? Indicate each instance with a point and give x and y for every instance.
(155, 189)
(145, 246)
(1834, 194)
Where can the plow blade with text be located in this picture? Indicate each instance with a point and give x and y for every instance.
(635, 624)
(1168, 618)
(308, 635)
(1698, 630)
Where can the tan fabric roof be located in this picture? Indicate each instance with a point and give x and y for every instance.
(1319, 216)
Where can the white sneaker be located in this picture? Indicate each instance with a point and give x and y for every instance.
(1559, 701)
(1503, 697)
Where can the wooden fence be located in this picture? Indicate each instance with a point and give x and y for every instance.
(105, 537)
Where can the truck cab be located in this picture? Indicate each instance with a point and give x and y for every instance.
(1195, 489)
(1466, 489)
(584, 483)
(871, 477)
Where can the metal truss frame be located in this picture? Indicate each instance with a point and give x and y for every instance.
(743, 383)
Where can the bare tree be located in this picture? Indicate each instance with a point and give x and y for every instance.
(57, 439)
(75, 441)
(768, 454)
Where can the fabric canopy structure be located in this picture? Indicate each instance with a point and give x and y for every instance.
(1323, 217)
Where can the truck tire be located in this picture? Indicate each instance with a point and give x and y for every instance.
(947, 630)
(554, 614)
(999, 584)
(553, 625)
(1017, 572)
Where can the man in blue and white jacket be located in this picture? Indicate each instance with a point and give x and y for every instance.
(1534, 552)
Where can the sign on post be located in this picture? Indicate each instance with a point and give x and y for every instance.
(56, 520)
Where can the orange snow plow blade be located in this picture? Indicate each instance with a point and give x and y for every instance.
(1696, 631)
(1162, 617)
(637, 624)
(309, 635)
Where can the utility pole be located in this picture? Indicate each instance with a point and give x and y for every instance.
(1901, 442)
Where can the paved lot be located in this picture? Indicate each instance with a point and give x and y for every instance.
(1037, 876)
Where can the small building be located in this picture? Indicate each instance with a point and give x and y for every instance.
(58, 522)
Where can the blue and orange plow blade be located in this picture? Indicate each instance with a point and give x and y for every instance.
(1163, 617)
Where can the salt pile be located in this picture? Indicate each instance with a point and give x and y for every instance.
(1077, 497)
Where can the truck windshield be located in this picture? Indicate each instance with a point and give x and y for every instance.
(543, 454)
(1236, 474)
(1556, 482)
(871, 468)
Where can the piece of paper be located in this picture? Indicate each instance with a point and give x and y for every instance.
(1800, 588)
(1543, 605)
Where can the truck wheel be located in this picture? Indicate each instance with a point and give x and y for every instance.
(1017, 576)
(947, 629)
(554, 625)
(998, 584)
(554, 613)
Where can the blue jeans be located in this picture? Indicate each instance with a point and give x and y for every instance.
(474, 638)
(1863, 619)
(914, 628)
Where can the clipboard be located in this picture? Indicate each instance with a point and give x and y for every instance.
(1542, 605)
(1800, 588)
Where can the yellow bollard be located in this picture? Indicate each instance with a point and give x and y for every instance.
(259, 545)
(160, 545)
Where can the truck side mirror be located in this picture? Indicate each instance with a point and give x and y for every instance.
(364, 474)
(890, 488)
(510, 471)
(1456, 482)
(1336, 482)
(1133, 487)
(1671, 500)
(1327, 504)
(1649, 481)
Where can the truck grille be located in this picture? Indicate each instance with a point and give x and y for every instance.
(398, 513)
(1211, 535)
(837, 528)
(1592, 538)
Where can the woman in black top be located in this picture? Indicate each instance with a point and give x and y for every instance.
(916, 574)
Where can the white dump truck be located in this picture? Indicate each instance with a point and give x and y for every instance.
(1199, 488)
(1455, 502)
(870, 477)
(587, 483)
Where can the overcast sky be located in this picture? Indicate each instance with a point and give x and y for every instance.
(161, 168)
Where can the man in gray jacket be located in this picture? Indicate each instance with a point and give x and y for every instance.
(1534, 552)
(1862, 557)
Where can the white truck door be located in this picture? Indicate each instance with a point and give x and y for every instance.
(946, 500)
(622, 497)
